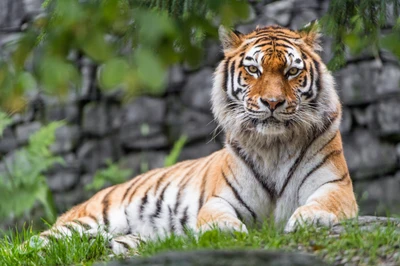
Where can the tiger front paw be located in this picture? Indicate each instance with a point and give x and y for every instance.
(310, 215)
(226, 226)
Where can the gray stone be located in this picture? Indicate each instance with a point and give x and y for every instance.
(193, 124)
(95, 119)
(224, 258)
(366, 223)
(70, 163)
(389, 80)
(8, 141)
(380, 196)
(198, 150)
(303, 17)
(213, 53)
(279, 11)
(62, 181)
(24, 131)
(144, 136)
(364, 116)
(388, 114)
(64, 200)
(33, 6)
(145, 110)
(59, 111)
(357, 82)
(175, 77)
(197, 91)
(67, 137)
(347, 120)
(11, 14)
(143, 161)
(94, 154)
(366, 156)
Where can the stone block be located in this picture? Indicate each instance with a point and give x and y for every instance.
(347, 121)
(357, 83)
(59, 111)
(8, 141)
(197, 90)
(94, 154)
(198, 150)
(279, 11)
(95, 119)
(144, 136)
(24, 131)
(67, 137)
(63, 181)
(12, 13)
(379, 196)
(388, 117)
(144, 110)
(191, 123)
(140, 162)
(367, 156)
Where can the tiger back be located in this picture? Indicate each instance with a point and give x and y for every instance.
(283, 157)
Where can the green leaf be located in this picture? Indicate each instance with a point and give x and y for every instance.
(151, 71)
(172, 157)
(113, 73)
(5, 120)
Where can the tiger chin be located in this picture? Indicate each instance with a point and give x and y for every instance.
(283, 158)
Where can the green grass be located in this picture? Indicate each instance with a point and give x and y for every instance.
(361, 247)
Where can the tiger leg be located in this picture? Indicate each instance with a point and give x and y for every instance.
(125, 243)
(82, 226)
(219, 213)
(328, 205)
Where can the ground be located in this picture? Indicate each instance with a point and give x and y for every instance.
(368, 241)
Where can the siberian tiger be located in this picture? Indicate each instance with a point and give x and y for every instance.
(283, 158)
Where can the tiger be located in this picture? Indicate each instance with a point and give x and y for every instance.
(276, 103)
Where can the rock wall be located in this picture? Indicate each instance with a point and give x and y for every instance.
(141, 133)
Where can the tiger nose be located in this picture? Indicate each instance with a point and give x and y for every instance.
(272, 104)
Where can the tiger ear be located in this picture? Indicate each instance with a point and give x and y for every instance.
(229, 39)
(311, 35)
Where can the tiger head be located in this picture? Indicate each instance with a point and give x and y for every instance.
(272, 84)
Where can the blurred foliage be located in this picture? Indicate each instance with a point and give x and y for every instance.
(111, 175)
(22, 183)
(362, 26)
(173, 156)
(132, 41)
(114, 174)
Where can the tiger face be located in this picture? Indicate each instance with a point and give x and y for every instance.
(271, 81)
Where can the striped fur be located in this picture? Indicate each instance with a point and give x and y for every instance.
(283, 156)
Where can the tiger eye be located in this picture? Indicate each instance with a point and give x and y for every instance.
(293, 71)
(252, 69)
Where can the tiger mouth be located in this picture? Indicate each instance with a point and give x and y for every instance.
(268, 121)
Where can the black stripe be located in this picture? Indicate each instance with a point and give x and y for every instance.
(323, 146)
(328, 121)
(105, 202)
(238, 215)
(250, 165)
(171, 220)
(143, 203)
(184, 218)
(82, 224)
(238, 197)
(328, 182)
(182, 184)
(315, 168)
(335, 180)
(159, 202)
(232, 73)
(123, 243)
(224, 73)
